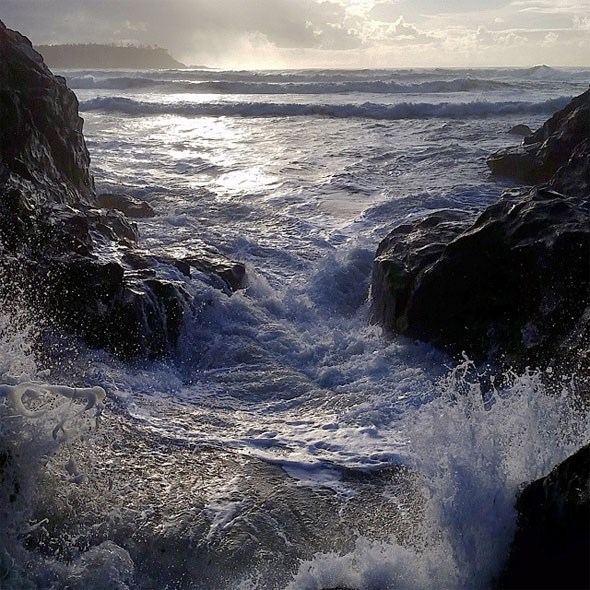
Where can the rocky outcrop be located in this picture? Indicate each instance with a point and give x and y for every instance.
(549, 148)
(523, 130)
(94, 55)
(551, 548)
(43, 156)
(126, 204)
(71, 256)
(497, 285)
(511, 286)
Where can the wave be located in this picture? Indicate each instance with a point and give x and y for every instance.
(379, 86)
(88, 81)
(367, 110)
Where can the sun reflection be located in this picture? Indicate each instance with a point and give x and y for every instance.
(246, 180)
(174, 127)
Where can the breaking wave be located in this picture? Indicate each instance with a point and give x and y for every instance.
(379, 86)
(367, 110)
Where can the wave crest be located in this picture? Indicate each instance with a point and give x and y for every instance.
(224, 86)
(367, 110)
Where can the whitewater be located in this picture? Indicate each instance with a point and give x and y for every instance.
(288, 443)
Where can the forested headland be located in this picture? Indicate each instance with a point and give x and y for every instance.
(94, 55)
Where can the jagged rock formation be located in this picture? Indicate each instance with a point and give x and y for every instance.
(70, 255)
(514, 284)
(549, 148)
(126, 204)
(513, 287)
(43, 156)
(551, 548)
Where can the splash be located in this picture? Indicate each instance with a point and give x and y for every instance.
(16, 393)
(472, 451)
(37, 420)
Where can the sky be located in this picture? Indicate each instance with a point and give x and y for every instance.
(322, 33)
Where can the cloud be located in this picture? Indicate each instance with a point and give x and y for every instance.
(485, 38)
(550, 39)
(385, 11)
(551, 6)
(581, 23)
(195, 25)
(398, 32)
(243, 33)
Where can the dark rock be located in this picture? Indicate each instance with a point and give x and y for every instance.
(146, 318)
(523, 130)
(126, 204)
(401, 257)
(514, 286)
(500, 286)
(231, 273)
(549, 148)
(519, 162)
(217, 270)
(551, 548)
(42, 153)
(81, 230)
(574, 177)
(70, 256)
(130, 313)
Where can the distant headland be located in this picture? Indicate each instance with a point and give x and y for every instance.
(94, 55)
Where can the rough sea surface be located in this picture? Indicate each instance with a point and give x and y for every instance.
(288, 444)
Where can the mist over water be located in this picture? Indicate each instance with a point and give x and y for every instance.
(287, 444)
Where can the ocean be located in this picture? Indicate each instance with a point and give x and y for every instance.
(288, 443)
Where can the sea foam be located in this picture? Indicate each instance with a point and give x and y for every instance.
(367, 110)
(472, 453)
(255, 86)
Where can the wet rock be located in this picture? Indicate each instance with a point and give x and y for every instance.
(130, 313)
(217, 270)
(574, 178)
(128, 205)
(516, 282)
(551, 548)
(514, 285)
(401, 257)
(549, 148)
(523, 130)
(146, 318)
(43, 155)
(231, 273)
(71, 256)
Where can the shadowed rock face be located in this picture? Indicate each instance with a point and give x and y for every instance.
(43, 154)
(574, 177)
(70, 256)
(516, 281)
(512, 285)
(551, 548)
(549, 148)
